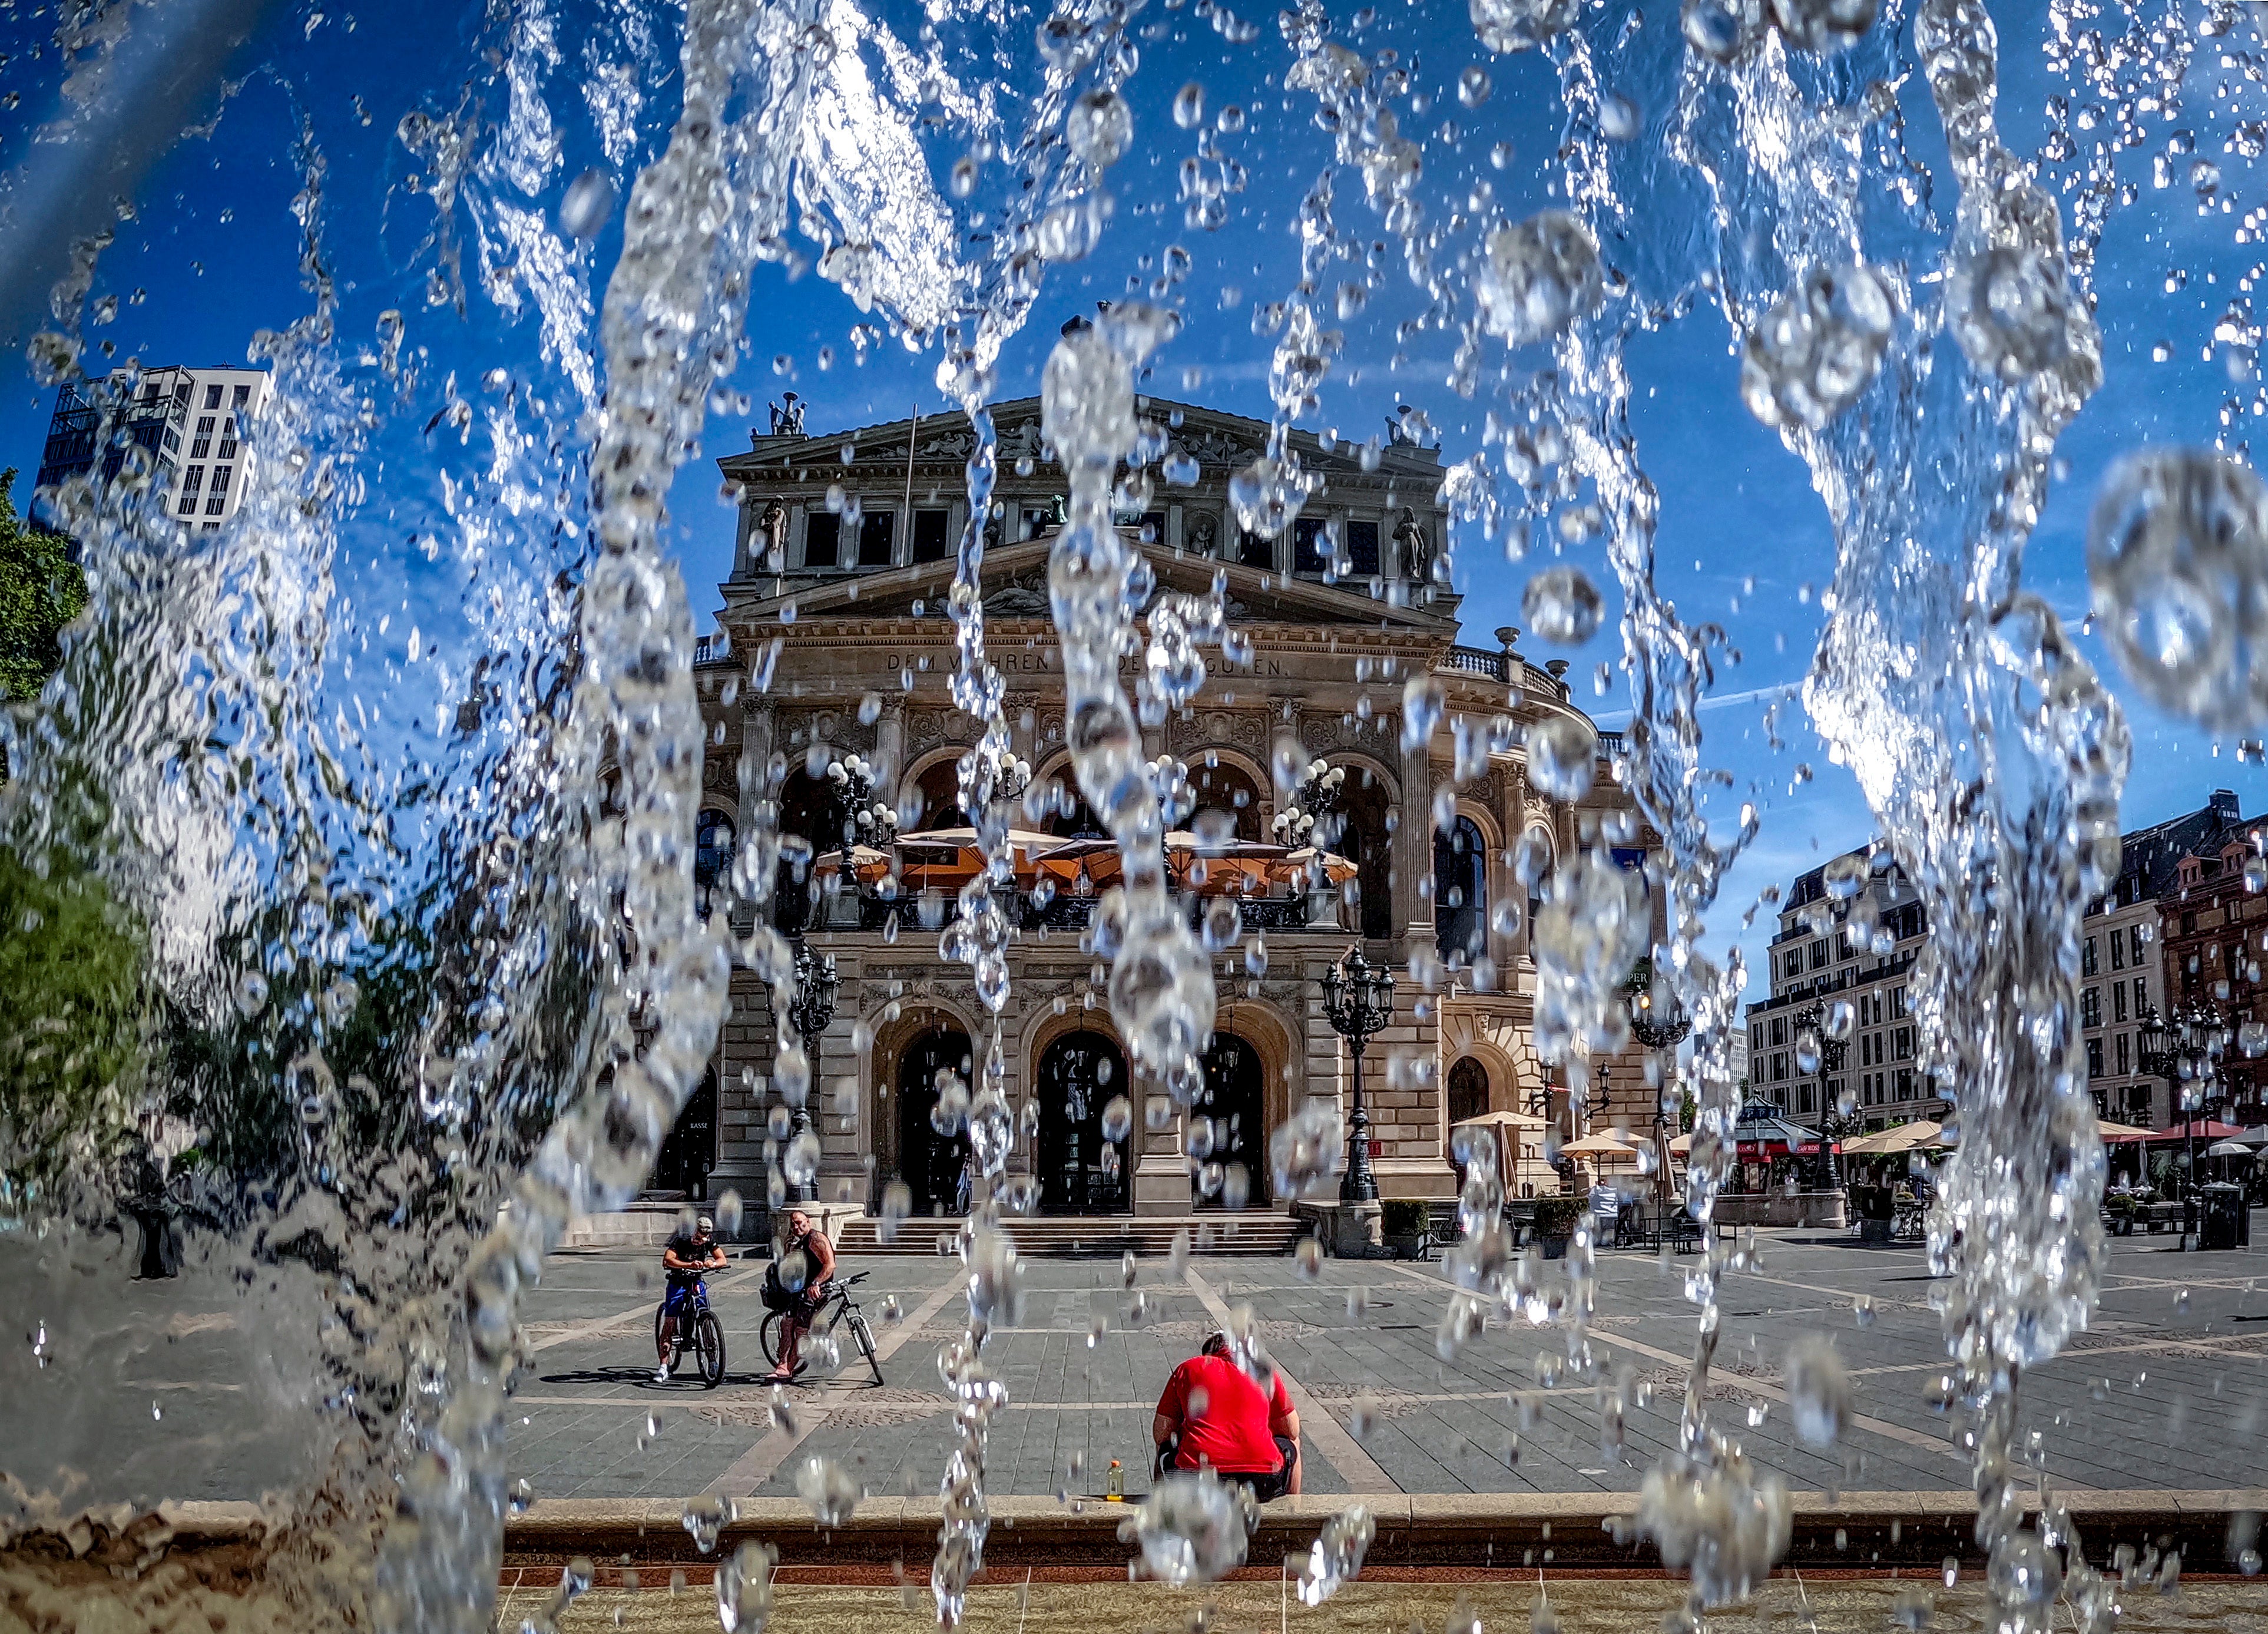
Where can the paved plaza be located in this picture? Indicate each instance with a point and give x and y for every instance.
(2166, 1390)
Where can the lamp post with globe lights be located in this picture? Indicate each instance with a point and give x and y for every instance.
(813, 1008)
(1306, 819)
(1661, 1027)
(860, 818)
(1358, 1002)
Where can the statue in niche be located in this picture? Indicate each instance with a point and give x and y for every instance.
(771, 531)
(1414, 547)
(1205, 539)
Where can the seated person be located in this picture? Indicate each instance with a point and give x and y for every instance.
(684, 1257)
(1212, 1416)
(798, 1284)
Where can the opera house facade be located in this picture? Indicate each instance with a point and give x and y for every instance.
(846, 546)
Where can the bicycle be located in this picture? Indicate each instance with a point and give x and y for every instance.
(844, 1309)
(698, 1327)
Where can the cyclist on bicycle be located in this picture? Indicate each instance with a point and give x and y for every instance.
(686, 1257)
(799, 1283)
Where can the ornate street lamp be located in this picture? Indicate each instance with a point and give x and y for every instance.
(1832, 1123)
(1659, 1027)
(811, 1010)
(1358, 1002)
(2193, 1037)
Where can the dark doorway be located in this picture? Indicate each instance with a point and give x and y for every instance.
(1459, 893)
(1362, 838)
(1233, 1100)
(1080, 1173)
(805, 810)
(1469, 1094)
(930, 1164)
(689, 1149)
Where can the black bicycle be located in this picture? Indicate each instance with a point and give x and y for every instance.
(698, 1330)
(836, 1306)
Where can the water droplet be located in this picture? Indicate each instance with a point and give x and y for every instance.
(1520, 25)
(1823, 26)
(1336, 1557)
(1563, 756)
(829, 1490)
(1539, 276)
(1562, 606)
(1188, 106)
(1619, 119)
(1099, 126)
(2177, 556)
(585, 205)
(1818, 348)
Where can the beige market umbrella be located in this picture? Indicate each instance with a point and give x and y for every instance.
(1601, 1146)
(1299, 868)
(2119, 1134)
(1918, 1135)
(1515, 1152)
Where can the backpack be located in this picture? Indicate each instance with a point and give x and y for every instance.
(776, 1296)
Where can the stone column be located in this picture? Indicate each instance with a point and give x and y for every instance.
(890, 742)
(1413, 848)
(1161, 1174)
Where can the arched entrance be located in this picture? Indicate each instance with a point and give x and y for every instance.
(688, 1152)
(1080, 1173)
(1232, 1101)
(805, 807)
(928, 1162)
(1469, 1090)
(1364, 838)
(1460, 893)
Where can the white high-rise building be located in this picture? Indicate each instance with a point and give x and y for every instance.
(194, 424)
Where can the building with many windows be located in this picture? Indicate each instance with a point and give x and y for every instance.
(2124, 960)
(1860, 952)
(851, 535)
(2194, 926)
(192, 425)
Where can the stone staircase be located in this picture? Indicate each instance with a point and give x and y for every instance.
(1245, 1233)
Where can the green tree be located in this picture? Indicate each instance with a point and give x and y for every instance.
(75, 1019)
(41, 589)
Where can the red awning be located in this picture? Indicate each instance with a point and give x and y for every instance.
(2203, 1129)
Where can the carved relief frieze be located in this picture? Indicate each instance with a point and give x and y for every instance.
(838, 729)
(932, 727)
(1197, 730)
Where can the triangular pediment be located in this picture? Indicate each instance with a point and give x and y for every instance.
(1014, 579)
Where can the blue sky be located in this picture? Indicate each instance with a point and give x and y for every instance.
(214, 248)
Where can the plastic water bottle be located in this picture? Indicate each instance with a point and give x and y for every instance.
(1114, 1488)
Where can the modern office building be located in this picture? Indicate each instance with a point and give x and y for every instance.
(193, 426)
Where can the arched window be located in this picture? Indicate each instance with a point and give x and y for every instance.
(1222, 787)
(1362, 838)
(805, 810)
(1469, 1090)
(1460, 893)
(939, 784)
(712, 858)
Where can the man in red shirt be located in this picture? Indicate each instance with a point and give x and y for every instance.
(1212, 1416)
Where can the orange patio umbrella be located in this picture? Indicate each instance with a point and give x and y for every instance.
(1219, 868)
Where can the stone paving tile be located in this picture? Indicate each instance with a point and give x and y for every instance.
(2136, 1401)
